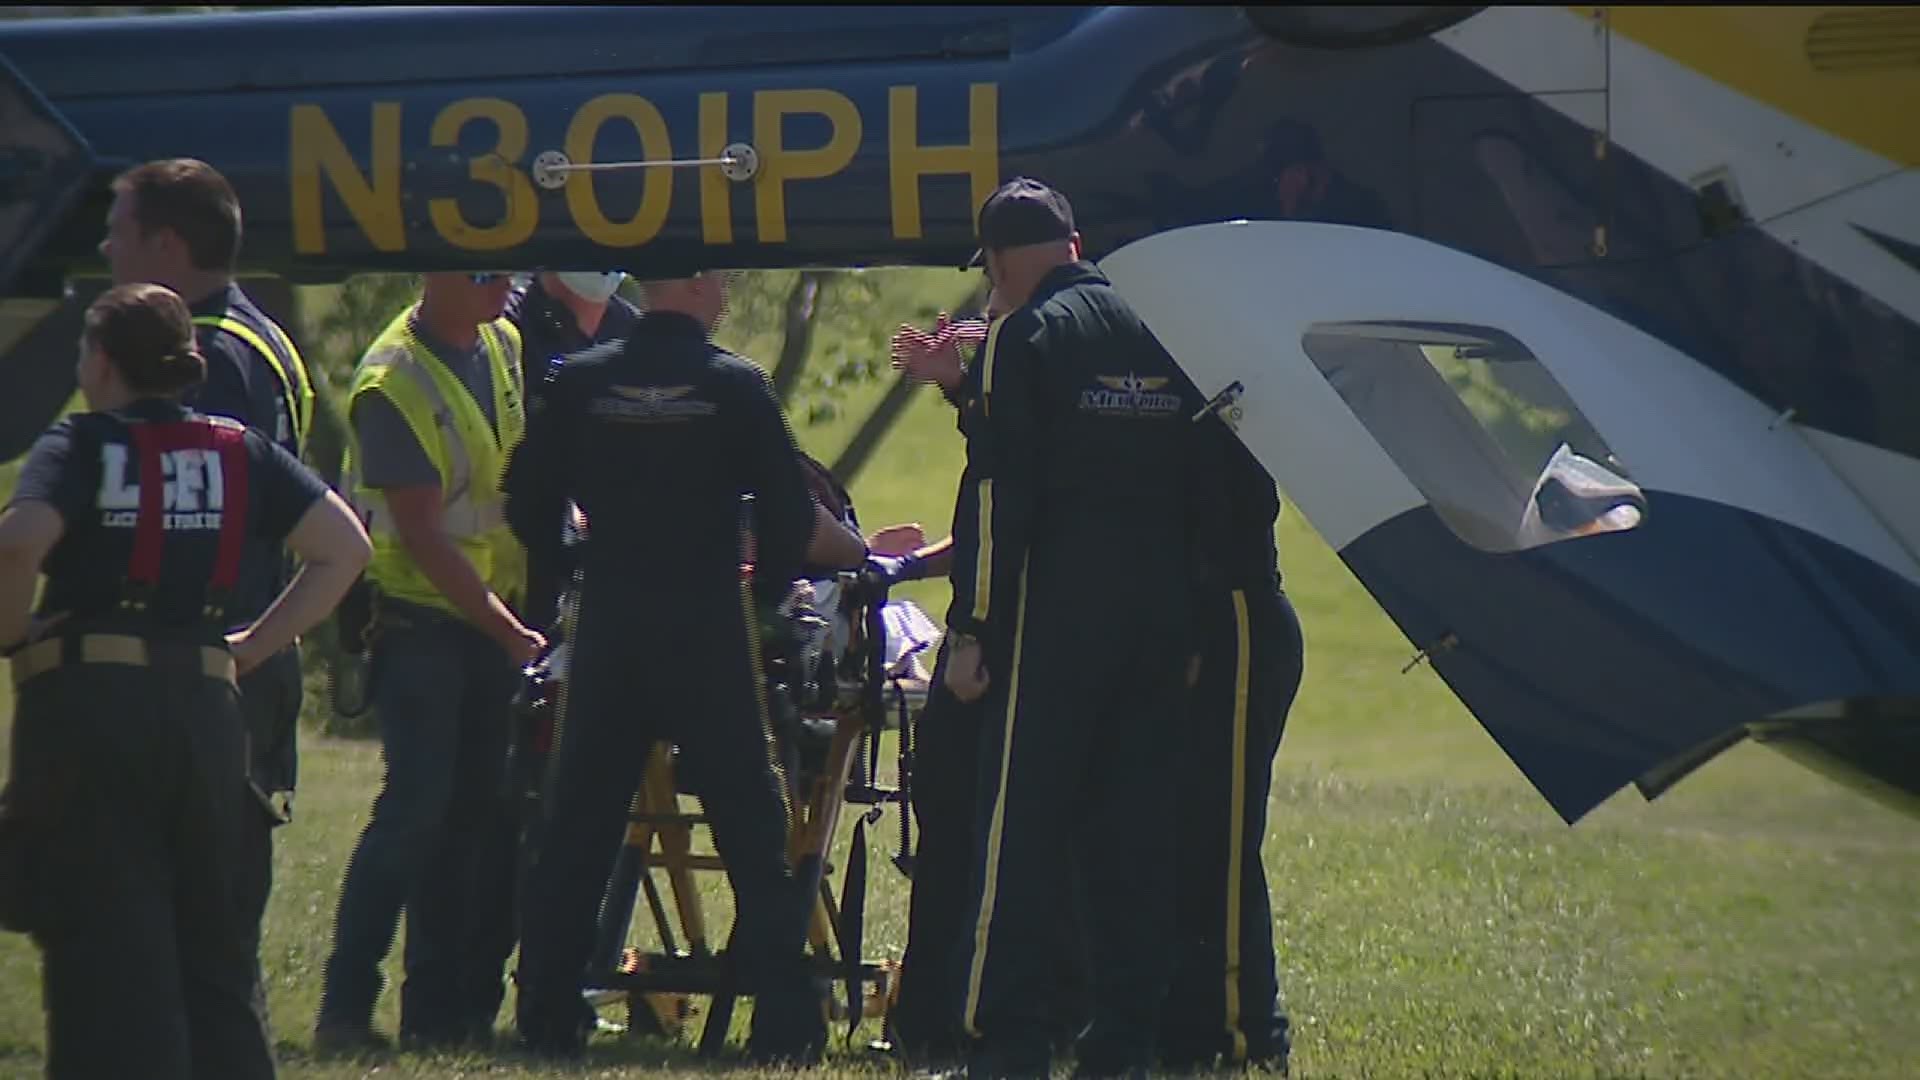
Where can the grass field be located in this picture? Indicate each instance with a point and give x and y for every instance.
(1434, 917)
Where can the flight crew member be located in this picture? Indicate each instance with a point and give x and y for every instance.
(1073, 565)
(435, 409)
(925, 1024)
(657, 439)
(558, 313)
(129, 770)
(1224, 996)
(177, 223)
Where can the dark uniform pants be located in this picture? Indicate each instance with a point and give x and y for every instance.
(1084, 709)
(925, 1020)
(695, 680)
(441, 840)
(1224, 999)
(270, 705)
(138, 777)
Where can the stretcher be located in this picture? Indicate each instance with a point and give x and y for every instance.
(842, 663)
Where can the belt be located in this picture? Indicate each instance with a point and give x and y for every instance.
(44, 656)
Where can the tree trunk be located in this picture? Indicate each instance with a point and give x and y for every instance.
(874, 428)
(892, 405)
(797, 345)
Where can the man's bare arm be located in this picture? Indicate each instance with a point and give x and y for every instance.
(834, 546)
(417, 518)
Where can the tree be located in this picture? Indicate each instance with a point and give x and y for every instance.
(874, 428)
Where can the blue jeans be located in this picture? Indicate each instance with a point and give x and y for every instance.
(441, 840)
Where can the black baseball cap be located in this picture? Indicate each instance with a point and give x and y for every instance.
(1023, 211)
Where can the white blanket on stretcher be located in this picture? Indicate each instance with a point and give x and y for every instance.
(909, 631)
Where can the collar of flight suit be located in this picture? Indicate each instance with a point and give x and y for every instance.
(1065, 276)
(670, 324)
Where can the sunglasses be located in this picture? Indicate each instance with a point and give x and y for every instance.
(488, 277)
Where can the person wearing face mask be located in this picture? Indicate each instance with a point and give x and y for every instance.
(127, 790)
(559, 312)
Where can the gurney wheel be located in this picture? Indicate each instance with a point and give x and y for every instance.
(655, 1013)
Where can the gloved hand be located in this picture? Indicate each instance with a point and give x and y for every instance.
(894, 569)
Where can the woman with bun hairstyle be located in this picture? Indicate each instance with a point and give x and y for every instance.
(129, 761)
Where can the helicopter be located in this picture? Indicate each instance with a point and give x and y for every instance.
(1589, 337)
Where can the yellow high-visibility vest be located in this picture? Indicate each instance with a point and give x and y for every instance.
(470, 455)
(296, 385)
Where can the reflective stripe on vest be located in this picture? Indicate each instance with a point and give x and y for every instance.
(468, 453)
(466, 510)
(296, 386)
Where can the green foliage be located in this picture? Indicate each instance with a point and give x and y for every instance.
(1527, 430)
(844, 306)
(342, 320)
(337, 323)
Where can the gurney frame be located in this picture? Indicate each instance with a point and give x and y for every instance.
(657, 986)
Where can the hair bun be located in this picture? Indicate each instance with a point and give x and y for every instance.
(146, 332)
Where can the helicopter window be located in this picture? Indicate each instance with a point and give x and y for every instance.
(1481, 428)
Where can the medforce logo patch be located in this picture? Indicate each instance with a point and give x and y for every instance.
(651, 404)
(1130, 395)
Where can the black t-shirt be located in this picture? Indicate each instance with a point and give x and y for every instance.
(87, 468)
(240, 385)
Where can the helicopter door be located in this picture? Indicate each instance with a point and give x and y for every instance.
(1598, 543)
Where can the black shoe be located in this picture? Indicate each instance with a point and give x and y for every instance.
(447, 1040)
(565, 1039)
(553, 1045)
(1186, 1059)
(348, 1040)
(800, 1056)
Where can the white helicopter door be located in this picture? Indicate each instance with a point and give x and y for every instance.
(1605, 548)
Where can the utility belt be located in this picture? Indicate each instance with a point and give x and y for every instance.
(127, 650)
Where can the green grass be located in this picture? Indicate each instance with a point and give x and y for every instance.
(1434, 917)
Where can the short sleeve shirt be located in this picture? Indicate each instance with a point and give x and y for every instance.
(86, 468)
(390, 456)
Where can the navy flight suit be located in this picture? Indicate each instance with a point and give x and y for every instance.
(1074, 565)
(658, 438)
(925, 1020)
(129, 747)
(1224, 998)
(548, 329)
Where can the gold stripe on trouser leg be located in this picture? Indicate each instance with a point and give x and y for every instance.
(1236, 827)
(983, 553)
(983, 564)
(998, 826)
(754, 660)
